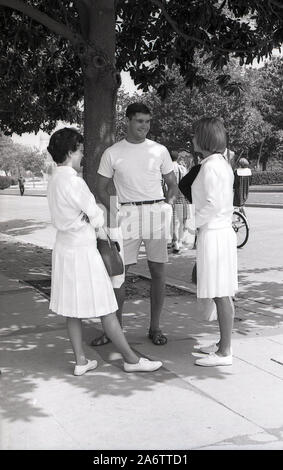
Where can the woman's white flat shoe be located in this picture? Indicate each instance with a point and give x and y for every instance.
(213, 360)
(81, 370)
(144, 365)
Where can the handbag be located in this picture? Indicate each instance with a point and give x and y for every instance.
(109, 251)
(206, 309)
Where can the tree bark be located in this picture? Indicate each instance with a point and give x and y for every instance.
(259, 156)
(264, 163)
(101, 84)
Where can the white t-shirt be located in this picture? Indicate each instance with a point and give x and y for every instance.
(136, 169)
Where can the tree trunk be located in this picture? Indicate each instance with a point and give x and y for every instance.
(264, 163)
(259, 155)
(101, 83)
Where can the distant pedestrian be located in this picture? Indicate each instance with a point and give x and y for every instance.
(81, 287)
(21, 182)
(180, 211)
(212, 195)
(242, 176)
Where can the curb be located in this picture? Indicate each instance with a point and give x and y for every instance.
(168, 283)
(260, 205)
(266, 206)
(25, 195)
(265, 191)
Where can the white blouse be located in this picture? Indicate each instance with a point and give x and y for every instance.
(212, 193)
(68, 198)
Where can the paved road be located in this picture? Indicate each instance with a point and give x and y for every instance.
(266, 198)
(267, 188)
(262, 195)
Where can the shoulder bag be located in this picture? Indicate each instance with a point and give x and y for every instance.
(109, 251)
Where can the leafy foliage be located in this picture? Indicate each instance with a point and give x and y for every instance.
(271, 83)
(42, 78)
(267, 177)
(252, 132)
(15, 159)
(41, 81)
(5, 182)
(154, 35)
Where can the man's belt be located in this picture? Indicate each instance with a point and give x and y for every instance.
(139, 203)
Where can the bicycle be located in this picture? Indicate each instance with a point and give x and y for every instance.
(241, 226)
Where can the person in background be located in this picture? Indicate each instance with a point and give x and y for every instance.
(21, 182)
(180, 211)
(242, 176)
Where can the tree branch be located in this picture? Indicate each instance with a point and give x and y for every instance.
(40, 17)
(275, 3)
(82, 8)
(272, 5)
(174, 24)
(187, 37)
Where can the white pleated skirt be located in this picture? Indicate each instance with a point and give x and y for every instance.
(80, 285)
(216, 263)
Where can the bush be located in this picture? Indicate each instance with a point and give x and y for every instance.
(267, 177)
(5, 182)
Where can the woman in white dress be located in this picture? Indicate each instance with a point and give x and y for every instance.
(212, 195)
(80, 285)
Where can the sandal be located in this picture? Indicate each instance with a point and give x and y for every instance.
(157, 337)
(100, 341)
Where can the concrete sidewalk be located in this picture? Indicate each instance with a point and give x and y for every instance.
(182, 406)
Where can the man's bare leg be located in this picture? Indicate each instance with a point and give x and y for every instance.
(157, 296)
(120, 298)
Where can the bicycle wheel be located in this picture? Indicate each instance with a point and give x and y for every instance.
(241, 227)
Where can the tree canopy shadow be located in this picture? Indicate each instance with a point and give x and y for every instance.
(39, 352)
(17, 227)
(266, 291)
(35, 357)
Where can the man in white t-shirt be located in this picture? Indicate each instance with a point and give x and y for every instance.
(136, 165)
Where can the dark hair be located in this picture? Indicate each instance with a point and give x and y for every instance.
(134, 108)
(244, 163)
(210, 134)
(63, 141)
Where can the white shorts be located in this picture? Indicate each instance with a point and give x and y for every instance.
(150, 224)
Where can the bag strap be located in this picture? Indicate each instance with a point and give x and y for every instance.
(179, 171)
(109, 240)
